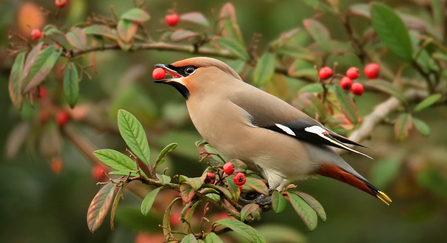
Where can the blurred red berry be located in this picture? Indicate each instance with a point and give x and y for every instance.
(210, 178)
(357, 89)
(345, 83)
(60, 3)
(172, 19)
(36, 34)
(62, 117)
(56, 166)
(97, 172)
(353, 73)
(228, 168)
(43, 92)
(325, 73)
(239, 179)
(159, 73)
(372, 70)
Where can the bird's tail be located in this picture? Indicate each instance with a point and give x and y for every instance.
(340, 174)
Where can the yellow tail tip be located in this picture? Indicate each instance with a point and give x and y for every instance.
(383, 197)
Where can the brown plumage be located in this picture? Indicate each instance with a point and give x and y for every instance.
(272, 137)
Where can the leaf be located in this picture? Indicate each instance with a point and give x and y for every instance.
(402, 126)
(36, 70)
(181, 34)
(347, 105)
(166, 221)
(52, 30)
(123, 172)
(234, 47)
(126, 30)
(427, 102)
(437, 11)
(247, 210)
(190, 238)
(118, 197)
(277, 86)
(212, 238)
(164, 152)
(164, 179)
(100, 30)
(99, 207)
(360, 9)
(196, 182)
(187, 192)
(319, 33)
(278, 202)
(314, 204)
(242, 229)
(195, 17)
(77, 38)
(391, 31)
(225, 192)
(384, 171)
(314, 88)
(188, 217)
(115, 160)
(315, 103)
(265, 68)
(146, 205)
(16, 138)
(134, 135)
(228, 24)
(257, 185)
(71, 84)
(422, 127)
(15, 79)
(307, 214)
(387, 88)
(234, 189)
(136, 15)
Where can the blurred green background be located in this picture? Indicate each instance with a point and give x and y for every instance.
(39, 206)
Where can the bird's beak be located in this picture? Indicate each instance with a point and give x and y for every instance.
(175, 76)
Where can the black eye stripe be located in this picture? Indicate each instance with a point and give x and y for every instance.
(184, 71)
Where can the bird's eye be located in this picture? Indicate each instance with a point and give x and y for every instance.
(189, 70)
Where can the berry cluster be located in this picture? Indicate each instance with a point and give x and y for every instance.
(239, 179)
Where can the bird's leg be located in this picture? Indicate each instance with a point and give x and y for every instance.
(261, 200)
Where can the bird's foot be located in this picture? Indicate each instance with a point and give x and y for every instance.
(261, 200)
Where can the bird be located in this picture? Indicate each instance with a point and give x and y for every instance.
(271, 136)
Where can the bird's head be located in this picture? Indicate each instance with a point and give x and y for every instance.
(197, 74)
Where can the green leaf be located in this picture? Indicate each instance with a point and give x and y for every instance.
(307, 214)
(278, 202)
(15, 79)
(347, 105)
(402, 126)
(182, 34)
(166, 221)
(187, 192)
(164, 152)
(225, 192)
(115, 160)
(387, 88)
(422, 127)
(360, 9)
(437, 11)
(212, 238)
(234, 47)
(134, 135)
(188, 217)
(190, 238)
(427, 102)
(228, 24)
(52, 30)
(265, 68)
(247, 210)
(164, 179)
(384, 171)
(242, 229)
(277, 86)
(99, 207)
(77, 38)
(146, 205)
(234, 189)
(319, 33)
(314, 88)
(196, 182)
(313, 203)
(257, 185)
(118, 197)
(100, 30)
(126, 30)
(391, 31)
(71, 84)
(136, 15)
(195, 17)
(123, 173)
(36, 70)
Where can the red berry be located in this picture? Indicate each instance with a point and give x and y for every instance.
(97, 173)
(239, 179)
(372, 70)
(228, 168)
(357, 89)
(159, 73)
(353, 73)
(56, 165)
(345, 83)
(62, 117)
(36, 34)
(43, 92)
(210, 178)
(325, 73)
(60, 3)
(172, 19)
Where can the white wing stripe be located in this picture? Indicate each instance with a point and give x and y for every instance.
(285, 129)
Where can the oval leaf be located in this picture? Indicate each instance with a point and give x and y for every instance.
(179, 35)
(265, 68)
(126, 30)
(15, 79)
(190, 238)
(164, 179)
(311, 88)
(101, 30)
(116, 160)
(228, 24)
(278, 202)
(146, 205)
(99, 207)
(77, 38)
(71, 84)
(347, 105)
(360, 9)
(391, 31)
(234, 47)
(164, 152)
(307, 214)
(422, 127)
(242, 229)
(319, 33)
(257, 185)
(234, 189)
(136, 15)
(314, 204)
(427, 102)
(187, 192)
(134, 135)
(212, 238)
(247, 209)
(195, 17)
(387, 88)
(402, 126)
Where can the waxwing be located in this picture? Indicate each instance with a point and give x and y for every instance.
(272, 137)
